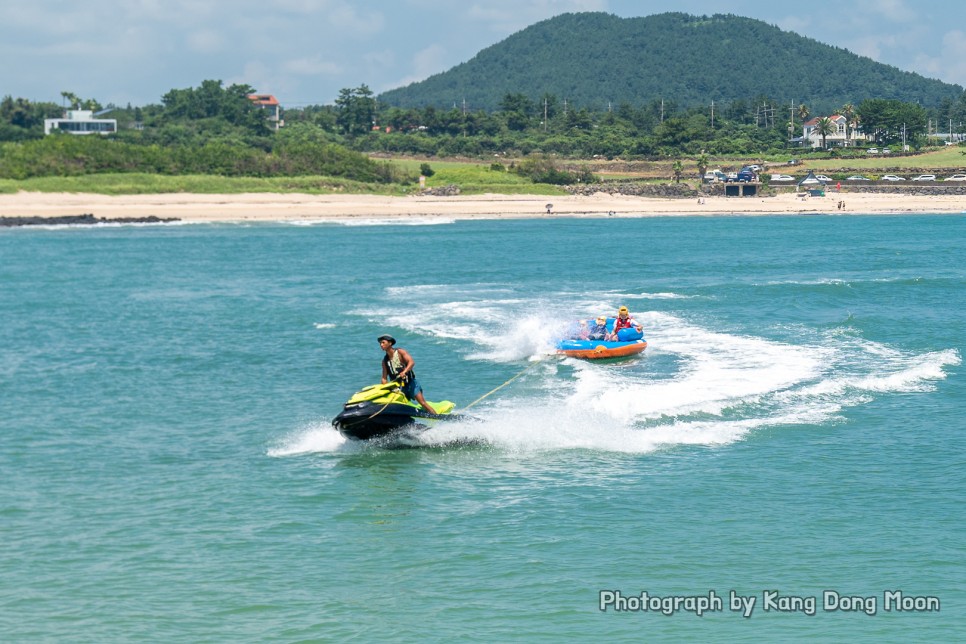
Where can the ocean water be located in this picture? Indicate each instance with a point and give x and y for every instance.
(794, 433)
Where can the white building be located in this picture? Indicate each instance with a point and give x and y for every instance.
(836, 138)
(81, 122)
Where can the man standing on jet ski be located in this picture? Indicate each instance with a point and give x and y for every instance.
(397, 364)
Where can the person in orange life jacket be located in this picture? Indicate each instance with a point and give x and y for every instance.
(624, 321)
(397, 364)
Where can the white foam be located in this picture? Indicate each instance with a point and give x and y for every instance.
(693, 386)
(311, 439)
(395, 221)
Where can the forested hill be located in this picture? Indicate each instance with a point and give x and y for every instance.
(592, 59)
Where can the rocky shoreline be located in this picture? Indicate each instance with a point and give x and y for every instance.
(85, 219)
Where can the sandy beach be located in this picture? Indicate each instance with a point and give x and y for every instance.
(255, 207)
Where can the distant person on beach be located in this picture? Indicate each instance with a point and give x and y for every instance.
(625, 321)
(397, 364)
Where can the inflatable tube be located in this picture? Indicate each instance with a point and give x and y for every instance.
(629, 342)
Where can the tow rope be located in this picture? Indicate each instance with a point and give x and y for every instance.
(503, 385)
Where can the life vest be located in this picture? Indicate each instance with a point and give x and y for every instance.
(622, 323)
(395, 366)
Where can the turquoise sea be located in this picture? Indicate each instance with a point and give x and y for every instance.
(793, 435)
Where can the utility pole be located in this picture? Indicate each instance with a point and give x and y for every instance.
(662, 110)
(712, 113)
(544, 113)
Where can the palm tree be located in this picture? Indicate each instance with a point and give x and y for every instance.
(678, 169)
(703, 162)
(856, 121)
(848, 111)
(824, 127)
(72, 100)
(803, 112)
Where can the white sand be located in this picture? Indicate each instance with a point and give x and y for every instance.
(300, 207)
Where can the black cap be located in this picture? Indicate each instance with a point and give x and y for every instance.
(388, 338)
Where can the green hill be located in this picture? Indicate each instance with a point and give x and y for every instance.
(592, 59)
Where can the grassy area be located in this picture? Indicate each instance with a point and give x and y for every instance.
(474, 177)
(478, 177)
(945, 157)
(139, 183)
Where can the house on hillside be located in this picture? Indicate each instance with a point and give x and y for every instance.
(836, 138)
(81, 122)
(270, 104)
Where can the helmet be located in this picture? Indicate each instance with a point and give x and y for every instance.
(387, 338)
(622, 309)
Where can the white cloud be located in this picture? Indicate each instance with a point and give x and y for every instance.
(205, 41)
(376, 59)
(953, 61)
(311, 66)
(507, 16)
(897, 11)
(346, 18)
(426, 62)
(259, 75)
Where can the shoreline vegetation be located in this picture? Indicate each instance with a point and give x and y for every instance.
(475, 189)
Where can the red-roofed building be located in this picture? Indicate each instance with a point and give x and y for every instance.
(269, 103)
(811, 137)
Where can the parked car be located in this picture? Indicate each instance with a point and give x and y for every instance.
(746, 174)
(714, 175)
(872, 151)
(956, 177)
(823, 178)
(856, 177)
(892, 177)
(782, 177)
(925, 177)
(731, 176)
(886, 151)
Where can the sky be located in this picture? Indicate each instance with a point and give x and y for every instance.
(305, 51)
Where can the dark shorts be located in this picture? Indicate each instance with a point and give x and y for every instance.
(411, 388)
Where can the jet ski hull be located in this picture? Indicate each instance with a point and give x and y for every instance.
(367, 420)
(380, 410)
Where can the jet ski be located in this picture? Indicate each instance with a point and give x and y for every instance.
(378, 410)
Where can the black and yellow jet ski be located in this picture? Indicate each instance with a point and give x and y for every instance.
(378, 410)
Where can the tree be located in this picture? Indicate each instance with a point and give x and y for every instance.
(824, 127)
(71, 99)
(678, 169)
(887, 119)
(516, 109)
(803, 112)
(848, 111)
(703, 162)
(221, 108)
(356, 110)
